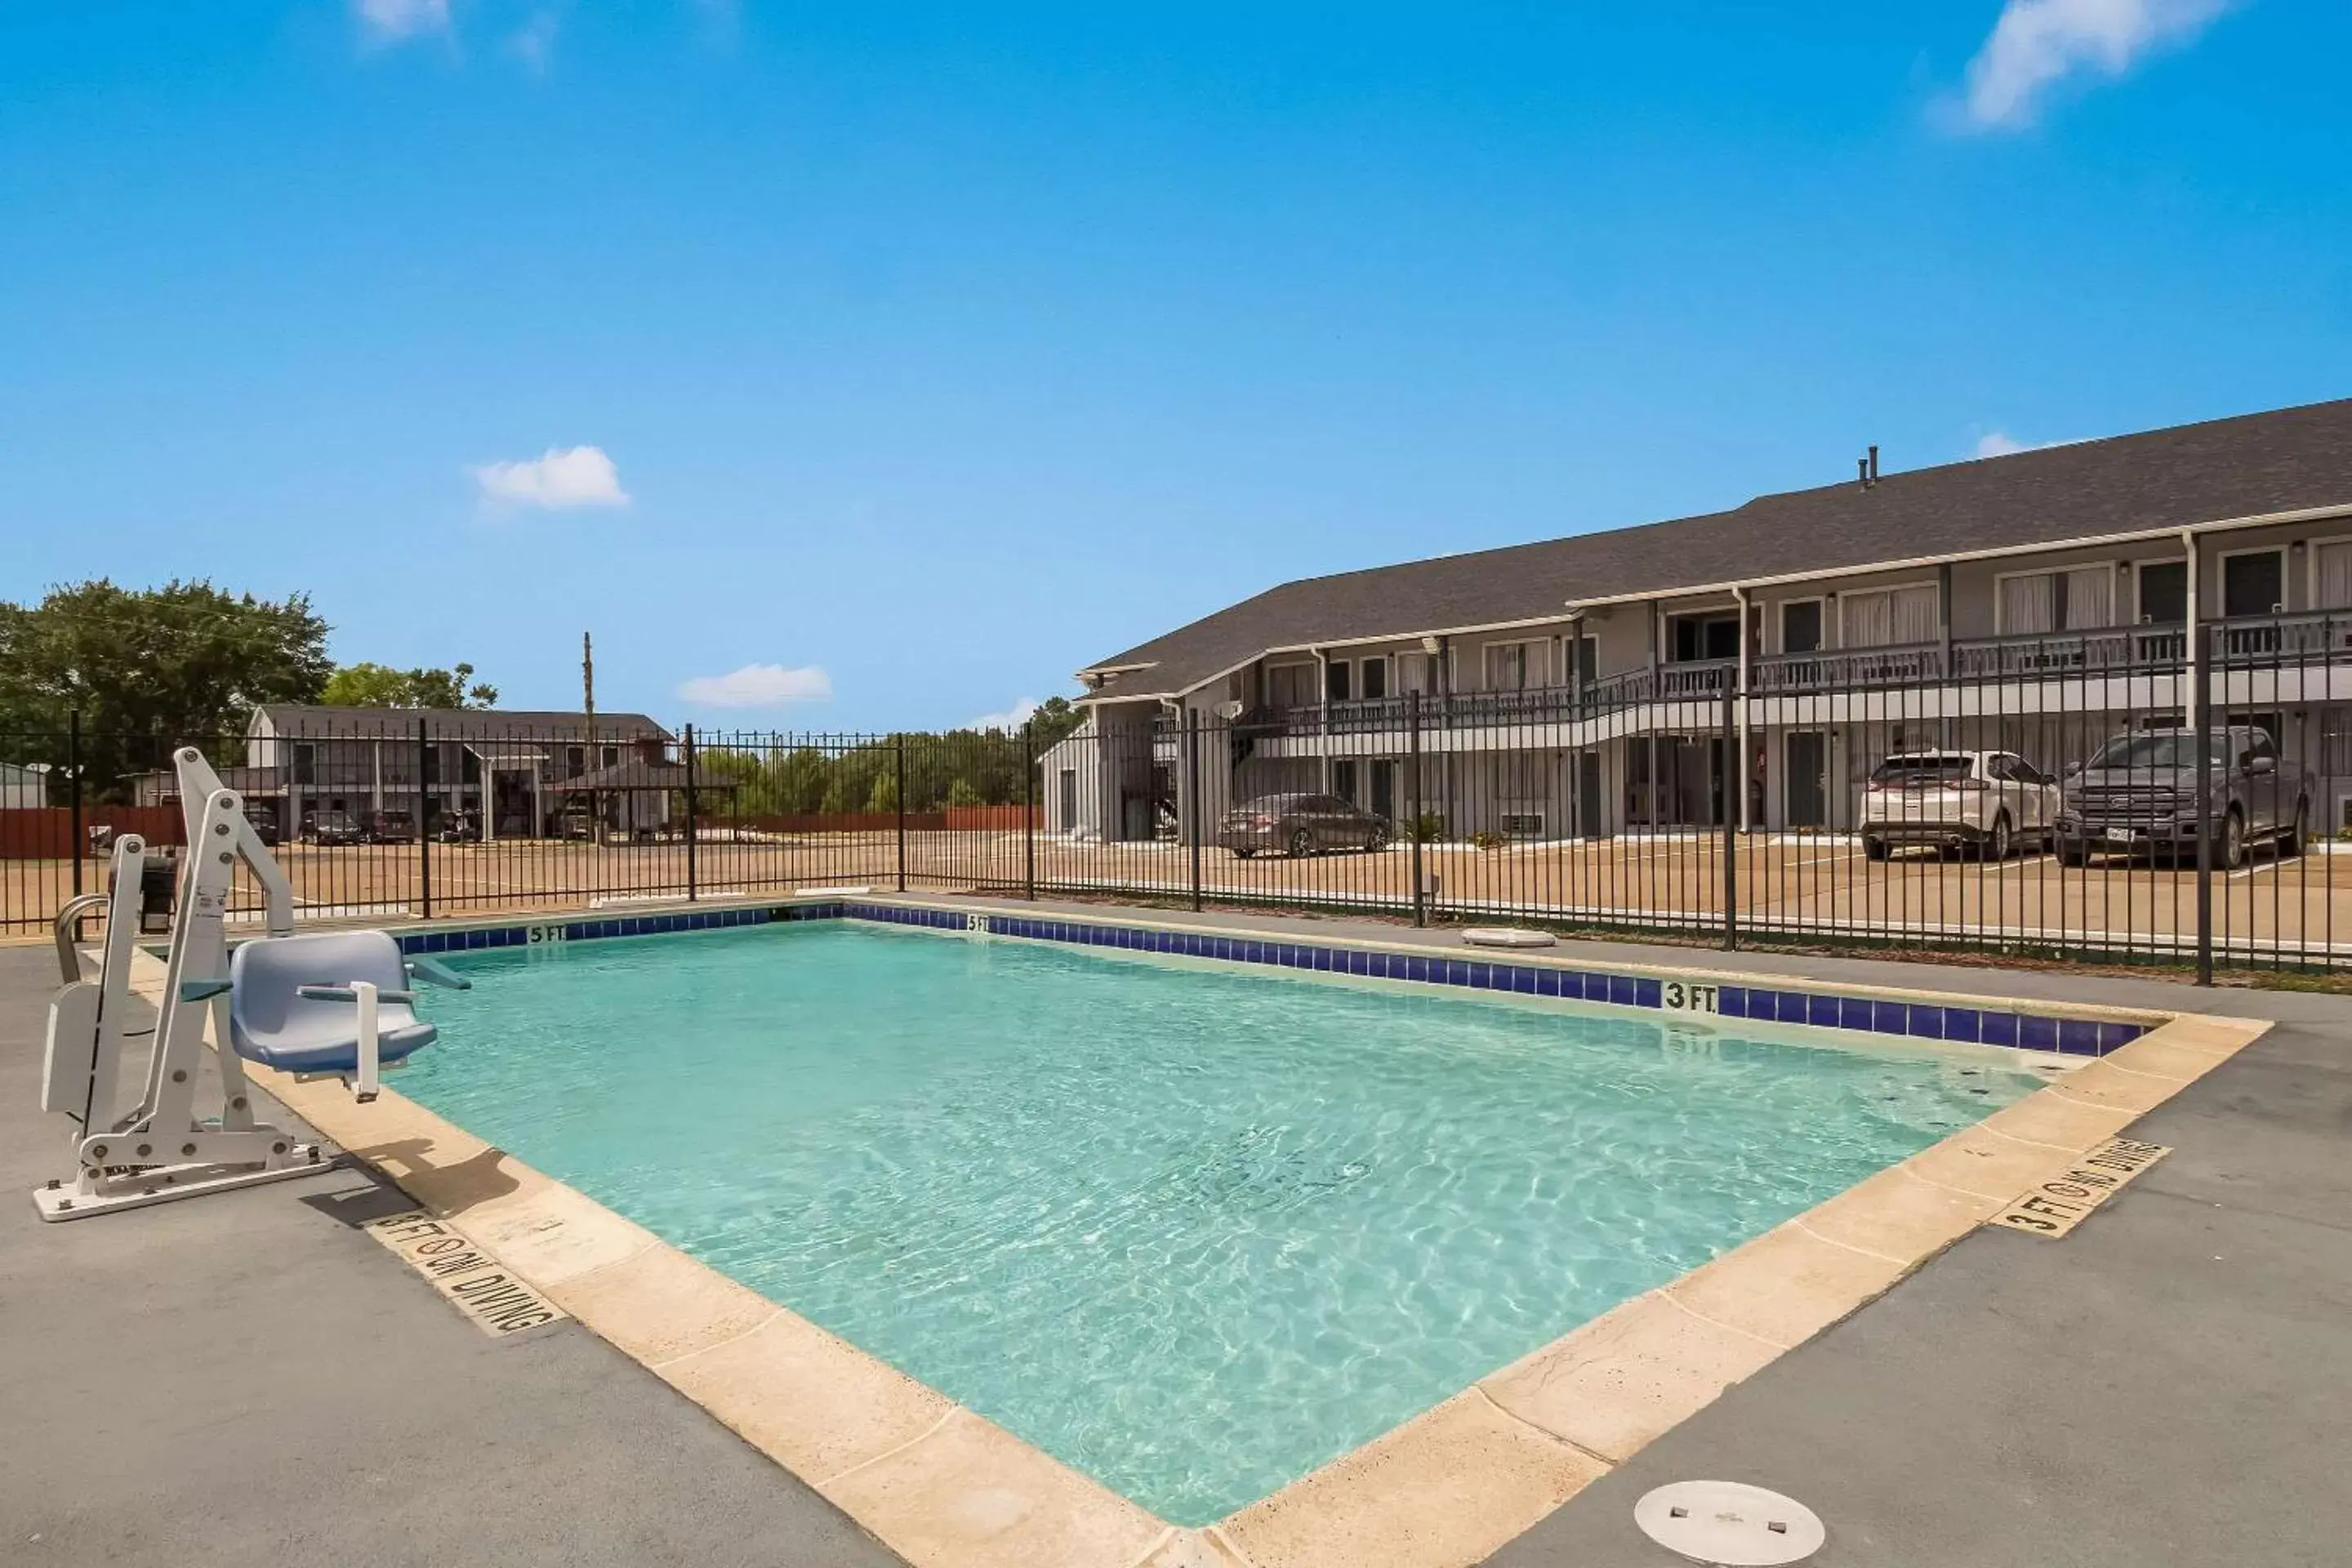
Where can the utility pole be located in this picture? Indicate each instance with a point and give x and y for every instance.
(589, 754)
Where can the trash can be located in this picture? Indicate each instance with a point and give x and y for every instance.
(157, 876)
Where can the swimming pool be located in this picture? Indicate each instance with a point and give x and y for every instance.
(1193, 1230)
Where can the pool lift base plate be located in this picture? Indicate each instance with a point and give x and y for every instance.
(165, 1184)
(1729, 1524)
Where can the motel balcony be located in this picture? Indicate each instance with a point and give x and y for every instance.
(2313, 647)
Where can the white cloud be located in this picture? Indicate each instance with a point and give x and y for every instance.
(389, 21)
(556, 480)
(1012, 718)
(758, 686)
(2037, 44)
(534, 41)
(2001, 444)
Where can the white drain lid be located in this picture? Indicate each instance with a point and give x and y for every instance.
(1507, 936)
(1729, 1524)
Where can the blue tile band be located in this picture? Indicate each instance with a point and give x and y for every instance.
(1877, 1015)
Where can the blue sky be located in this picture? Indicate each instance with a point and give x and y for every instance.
(944, 349)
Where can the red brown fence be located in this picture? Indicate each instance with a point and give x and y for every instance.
(994, 819)
(47, 832)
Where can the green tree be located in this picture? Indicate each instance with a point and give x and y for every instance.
(366, 685)
(148, 669)
(1056, 717)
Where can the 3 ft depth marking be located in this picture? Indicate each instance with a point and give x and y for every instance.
(2056, 1207)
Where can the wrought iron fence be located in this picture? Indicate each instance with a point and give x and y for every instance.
(2086, 798)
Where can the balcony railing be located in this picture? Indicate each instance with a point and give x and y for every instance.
(2316, 637)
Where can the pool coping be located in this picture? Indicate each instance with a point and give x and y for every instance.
(942, 1485)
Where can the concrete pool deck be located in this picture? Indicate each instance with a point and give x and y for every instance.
(248, 1378)
(1467, 1427)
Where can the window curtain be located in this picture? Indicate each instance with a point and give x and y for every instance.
(1512, 667)
(1869, 620)
(2090, 598)
(2335, 576)
(2029, 605)
(1914, 615)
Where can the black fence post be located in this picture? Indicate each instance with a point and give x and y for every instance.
(424, 822)
(1733, 777)
(1029, 814)
(2201, 695)
(692, 889)
(73, 782)
(1413, 811)
(1192, 795)
(901, 793)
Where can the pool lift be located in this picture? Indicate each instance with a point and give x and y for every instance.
(332, 1004)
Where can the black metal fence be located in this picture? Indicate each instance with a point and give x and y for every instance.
(2117, 796)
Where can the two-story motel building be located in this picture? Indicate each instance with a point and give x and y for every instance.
(1613, 681)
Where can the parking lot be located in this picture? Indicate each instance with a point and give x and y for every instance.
(2298, 907)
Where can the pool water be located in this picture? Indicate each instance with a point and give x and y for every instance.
(1194, 1231)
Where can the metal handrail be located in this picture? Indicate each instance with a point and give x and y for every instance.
(69, 961)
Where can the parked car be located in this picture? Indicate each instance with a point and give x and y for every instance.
(2137, 795)
(332, 828)
(1953, 799)
(391, 827)
(1301, 825)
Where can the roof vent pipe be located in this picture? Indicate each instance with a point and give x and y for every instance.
(1862, 471)
(1873, 463)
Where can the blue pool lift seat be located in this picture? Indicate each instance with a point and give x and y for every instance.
(292, 1006)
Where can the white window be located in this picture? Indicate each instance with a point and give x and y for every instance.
(1514, 665)
(2082, 598)
(1883, 618)
(2029, 603)
(2335, 574)
(1414, 673)
(1291, 686)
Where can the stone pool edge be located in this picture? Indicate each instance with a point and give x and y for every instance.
(1458, 1481)
(942, 1485)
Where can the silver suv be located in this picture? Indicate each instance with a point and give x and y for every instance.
(1953, 799)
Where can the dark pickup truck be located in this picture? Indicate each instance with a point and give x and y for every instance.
(2137, 795)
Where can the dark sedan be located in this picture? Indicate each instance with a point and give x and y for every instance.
(333, 827)
(1301, 825)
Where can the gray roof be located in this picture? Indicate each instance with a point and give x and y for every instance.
(635, 774)
(2252, 465)
(522, 725)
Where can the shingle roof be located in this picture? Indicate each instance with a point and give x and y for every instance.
(635, 774)
(2252, 465)
(519, 724)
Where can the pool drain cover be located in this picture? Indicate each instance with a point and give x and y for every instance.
(1728, 1524)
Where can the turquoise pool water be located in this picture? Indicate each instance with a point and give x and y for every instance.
(1194, 1231)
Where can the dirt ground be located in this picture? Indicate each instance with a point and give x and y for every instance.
(2298, 905)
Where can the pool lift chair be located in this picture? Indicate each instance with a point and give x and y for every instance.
(334, 1004)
